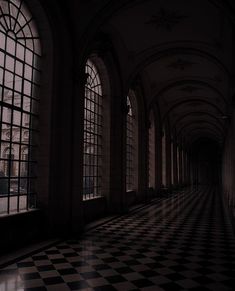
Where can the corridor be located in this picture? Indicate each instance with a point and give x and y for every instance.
(180, 242)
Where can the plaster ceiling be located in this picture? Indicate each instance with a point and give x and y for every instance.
(183, 51)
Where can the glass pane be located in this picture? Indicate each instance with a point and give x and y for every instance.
(28, 72)
(19, 68)
(18, 84)
(16, 117)
(10, 63)
(23, 202)
(2, 42)
(23, 185)
(27, 88)
(20, 51)
(92, 143)
(3, 204)
(15, 133)
(11, 45)
(13, 204)
(32, 201)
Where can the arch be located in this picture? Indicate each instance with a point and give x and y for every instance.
(186, 126)
(131, 142)
(198, 113)
(188, 81)
(109, 10)
(188, 101)
(200, 132)
(172, 161)
(155, 111)
(211, 136)
(150, 56)
(21, 23)
(96, 137)
(151, 150)
(164, 170)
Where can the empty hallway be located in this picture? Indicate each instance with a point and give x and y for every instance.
(117, 145)
(180, 242)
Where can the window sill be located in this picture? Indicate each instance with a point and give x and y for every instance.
(24, 212)
(93, 198)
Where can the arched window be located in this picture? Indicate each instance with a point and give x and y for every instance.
(130, 147)
(152, 151)
(93, 126)
(20, 55)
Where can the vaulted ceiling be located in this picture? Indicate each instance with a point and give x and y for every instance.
(183, 51)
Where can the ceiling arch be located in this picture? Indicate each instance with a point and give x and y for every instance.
(199, 114)
(190, 86)
(181, 54)
(189, 126)
(200, 132)
(179, 104)
(201, 138)
(158, 53)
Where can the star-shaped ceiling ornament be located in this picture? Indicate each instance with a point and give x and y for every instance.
(165, 19)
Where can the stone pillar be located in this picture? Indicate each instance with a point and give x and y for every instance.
(168, 160)
(76, 194)
(65, 209)
(142, 161)
(180, 166)
(158, 157)
(117, 198)
(175, 164)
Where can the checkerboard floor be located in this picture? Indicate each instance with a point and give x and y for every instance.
(180, 242)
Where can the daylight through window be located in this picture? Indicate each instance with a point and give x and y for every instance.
(129, 147)
(19, 88)
(92, 147)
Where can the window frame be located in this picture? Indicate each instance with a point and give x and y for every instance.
(21, 102)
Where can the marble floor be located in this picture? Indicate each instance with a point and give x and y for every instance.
(180, 242)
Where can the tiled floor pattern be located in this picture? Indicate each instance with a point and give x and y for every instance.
(182, 242)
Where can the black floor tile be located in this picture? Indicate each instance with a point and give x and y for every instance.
(69, 271)
(124, 270)
(115, 279)
(171, 287)
(90, 275)
(42, 288)
(59, 261)
(25, 264)
(175, 277)
(142, 283)
(101, 267)
(105, 288)
(53, 280)
(78, 285)
(45, 268)
(175, 241)
(203, 280)
(30, 276)
(149, 273)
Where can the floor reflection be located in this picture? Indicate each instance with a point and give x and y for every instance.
(183, 241)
